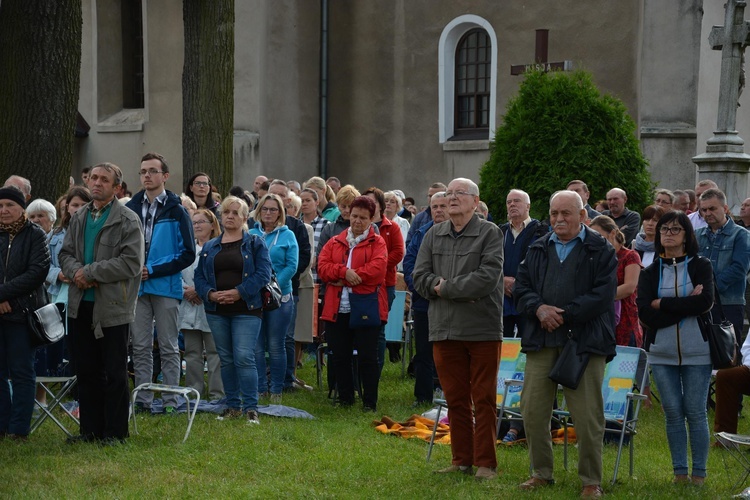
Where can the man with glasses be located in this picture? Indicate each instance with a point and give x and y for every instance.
(459, 269)
(170, 248)
(727, 246)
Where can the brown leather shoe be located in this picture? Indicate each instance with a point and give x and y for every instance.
(592, 491)
(536, 482)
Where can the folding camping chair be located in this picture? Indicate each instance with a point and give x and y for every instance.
(398, 328)
(509, 387)
(172, 389)
(734, 444)
(64, 385)
(621, 404)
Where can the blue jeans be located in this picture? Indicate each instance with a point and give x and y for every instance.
(291, 358)
(236, 338)
(424, 365)
(16, 364)
(391, 291)
(273, 339)
(684, 390)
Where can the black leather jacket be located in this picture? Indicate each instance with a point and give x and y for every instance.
(590, 316)
(24, 263)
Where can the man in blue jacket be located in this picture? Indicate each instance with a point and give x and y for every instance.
(725, 244)
(424, 364)
(170, 248)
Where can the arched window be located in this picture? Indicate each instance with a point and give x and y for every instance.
(467, 74)
(473, 63)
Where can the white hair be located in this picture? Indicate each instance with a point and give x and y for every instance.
(472, 186)
(40, 205)
(571, 194)
(393, 194)
(523, 194)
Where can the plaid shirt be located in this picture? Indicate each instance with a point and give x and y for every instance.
(318, 223)
(95, 213)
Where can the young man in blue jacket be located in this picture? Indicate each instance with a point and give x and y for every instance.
(170, 247)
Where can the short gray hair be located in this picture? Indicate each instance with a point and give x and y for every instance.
(572, 194)
(40, 205)
(473, 188)
(523, 194)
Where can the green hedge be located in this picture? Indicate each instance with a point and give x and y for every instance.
(558, 128)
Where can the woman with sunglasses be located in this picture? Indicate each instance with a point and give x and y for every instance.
(672, 292)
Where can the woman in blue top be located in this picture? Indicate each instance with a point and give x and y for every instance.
(232, 270)
(270, 226)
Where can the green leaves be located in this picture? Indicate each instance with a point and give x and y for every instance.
(558, 128)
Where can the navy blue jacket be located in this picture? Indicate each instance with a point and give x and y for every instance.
(172, 246)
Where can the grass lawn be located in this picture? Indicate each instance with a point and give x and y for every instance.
(337, 455)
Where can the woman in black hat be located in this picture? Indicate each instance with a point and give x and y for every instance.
(24, 263)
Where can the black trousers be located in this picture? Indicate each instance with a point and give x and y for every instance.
(342, 340)
(424, 365)
(101, 367)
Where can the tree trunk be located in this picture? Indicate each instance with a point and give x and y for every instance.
(40, 67)
(208, 91)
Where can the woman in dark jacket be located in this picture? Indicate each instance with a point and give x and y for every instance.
(353, 263)
(198, 189)
(672, 292)
(24, 263)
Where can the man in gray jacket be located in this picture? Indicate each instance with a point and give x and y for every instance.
(102, 258)
(459, 269)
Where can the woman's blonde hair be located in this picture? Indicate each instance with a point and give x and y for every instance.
(347, 194)
(244, 211)
(282, 213)
(215, 228)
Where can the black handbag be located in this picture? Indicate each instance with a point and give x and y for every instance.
(722, 341)
(365, 310)
(569, 366)
(45, 325)
(271, 294)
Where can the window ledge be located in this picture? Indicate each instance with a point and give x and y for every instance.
(475, 145)
(127, 120)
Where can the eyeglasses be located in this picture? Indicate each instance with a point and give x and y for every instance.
(199, 183)
(674, 230)
(196, 222)
(150, 171)
(269, 209)
(450, 194)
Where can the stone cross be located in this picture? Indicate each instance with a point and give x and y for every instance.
(731, 39)
(725, 161)
(540, 58)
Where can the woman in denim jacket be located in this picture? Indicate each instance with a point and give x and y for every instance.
(232, 270)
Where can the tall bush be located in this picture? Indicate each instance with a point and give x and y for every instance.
(558, 128)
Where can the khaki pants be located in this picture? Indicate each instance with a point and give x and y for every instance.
(586, 407)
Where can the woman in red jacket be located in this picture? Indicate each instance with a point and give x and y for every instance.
(394, 243)
(354, 263)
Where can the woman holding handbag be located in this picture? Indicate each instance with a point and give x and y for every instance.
(24, 263)
(232, 270)
(353, 267)
(270, 226)
(672, 293)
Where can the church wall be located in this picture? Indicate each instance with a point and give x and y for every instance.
(384, 86)
(669, 89)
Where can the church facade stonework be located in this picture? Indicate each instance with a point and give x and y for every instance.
(391, 109)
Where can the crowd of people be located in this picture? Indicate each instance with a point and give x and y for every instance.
(137, 271)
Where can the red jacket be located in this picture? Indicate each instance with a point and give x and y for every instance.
(369, 260)
(394, 242)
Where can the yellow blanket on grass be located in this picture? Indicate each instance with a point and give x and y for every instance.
(420, 427)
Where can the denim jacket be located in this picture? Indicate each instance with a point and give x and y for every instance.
(729, 252)
(256, 271)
